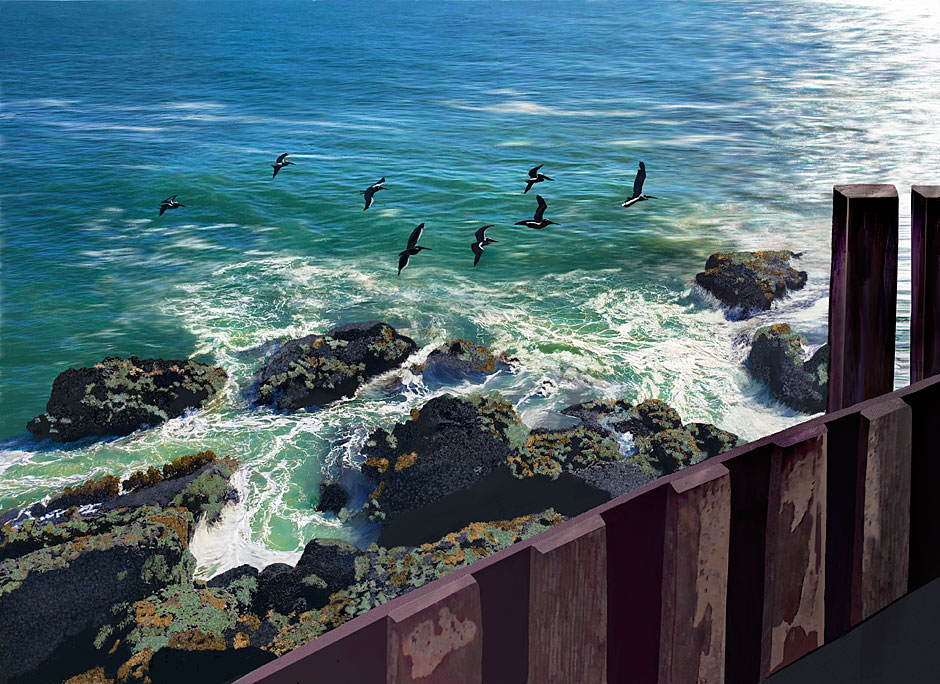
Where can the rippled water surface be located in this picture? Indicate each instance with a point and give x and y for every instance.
(746, 114)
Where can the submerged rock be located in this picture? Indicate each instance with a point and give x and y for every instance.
(749, 282)
(459, 357)
(776, 358)
(119, 396)
(66, 574)
(318, 369)
(332, 497)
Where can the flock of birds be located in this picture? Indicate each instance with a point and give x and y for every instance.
(538, 221)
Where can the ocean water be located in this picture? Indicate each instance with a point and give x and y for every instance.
(746, 113)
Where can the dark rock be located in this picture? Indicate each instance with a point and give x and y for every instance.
(776, 358)
(234, 575)
(602, 415)
(318, 369)
(68, 575)
(447, 445)
(550, 452)
(327, 565)
(650, 417)
(711, 440)
(332, 496)
(749, 282)
(616, 477)
(119, 396)
(459, 358)
(278, 591)
(671, 450)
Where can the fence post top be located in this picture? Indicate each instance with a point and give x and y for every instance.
(928, 191)
(864, 191)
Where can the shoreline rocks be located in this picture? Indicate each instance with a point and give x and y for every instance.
(776, 359)
(749, 282)
(67, 572)
(457, 357)
(119, 396)
(318, 369)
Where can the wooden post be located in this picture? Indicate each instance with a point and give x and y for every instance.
(882, 515)
(568, 605)
(862, 293)
(925, 484)
(438, 639)
(925, 281)
(695, 578)
(795, 566)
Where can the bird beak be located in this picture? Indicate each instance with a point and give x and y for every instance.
(547, 178)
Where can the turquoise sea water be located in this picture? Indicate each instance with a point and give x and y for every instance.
(746, 114)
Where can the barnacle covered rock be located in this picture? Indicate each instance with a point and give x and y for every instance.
(119, 396)
(318, 369)
(460, 357)
(550, 452)
(749, 282)
(776, 358)
(447, 445)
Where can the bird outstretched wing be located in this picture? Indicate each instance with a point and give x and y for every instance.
(368, 192)
(481, 234)
(276, 169)
(528, 186)
(280, 160)
(478, 251)
(402, 260)
(638, 182)
(415, 236)
(533, 173)
(168, 200)
(162, 209)
(380, 181)
(541, 210)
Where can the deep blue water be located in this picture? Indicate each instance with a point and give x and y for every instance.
(745, 113)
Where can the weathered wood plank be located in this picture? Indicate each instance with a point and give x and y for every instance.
(925, 281)
(695, 578)
(794, 585)
(568, 606)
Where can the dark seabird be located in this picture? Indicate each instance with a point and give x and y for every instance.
(638, 194)
(537, 221)
(412, 248)
(170, 203)
(482, 241)
(280, 163)
(535, 176)
(371, 190)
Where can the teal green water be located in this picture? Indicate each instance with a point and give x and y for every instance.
(746, 114)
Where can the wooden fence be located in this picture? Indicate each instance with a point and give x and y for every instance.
(725, 571)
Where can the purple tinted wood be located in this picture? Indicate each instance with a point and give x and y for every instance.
(635, 531)
(568, 605)
(862, 293)
(750, 474)
(882, 521)
(925, 281)
(504, 601)
(695, 577)
(794, 590)
(925, 485)
(438, 639)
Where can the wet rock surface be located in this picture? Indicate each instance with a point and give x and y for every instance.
(66, 574)
(776, 358)
(118, 396)
(318, 369)
(457, 358)
(749, 282)
(332, 497)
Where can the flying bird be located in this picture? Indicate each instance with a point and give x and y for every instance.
(482, 241)
(170, 203)
(412, 248)
(371, 190)
(535, 176)
(638, 194)
(537, 221)
(280, 163)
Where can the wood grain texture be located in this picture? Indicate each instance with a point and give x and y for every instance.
(925, 281)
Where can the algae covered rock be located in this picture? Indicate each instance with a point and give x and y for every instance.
(447, 445)
(602, 415)
(318, 369)
(551, 452)
(67, 573)
(749, 282)
(776, 358)
(119, 396)
(459, 357)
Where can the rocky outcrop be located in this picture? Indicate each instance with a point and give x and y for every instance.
(235, 623)
(749, 282)
(66, 573)
(119, 396)
(776, 358)
(318, 369)
(332, 497)
(458, 358)
(447, 445)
